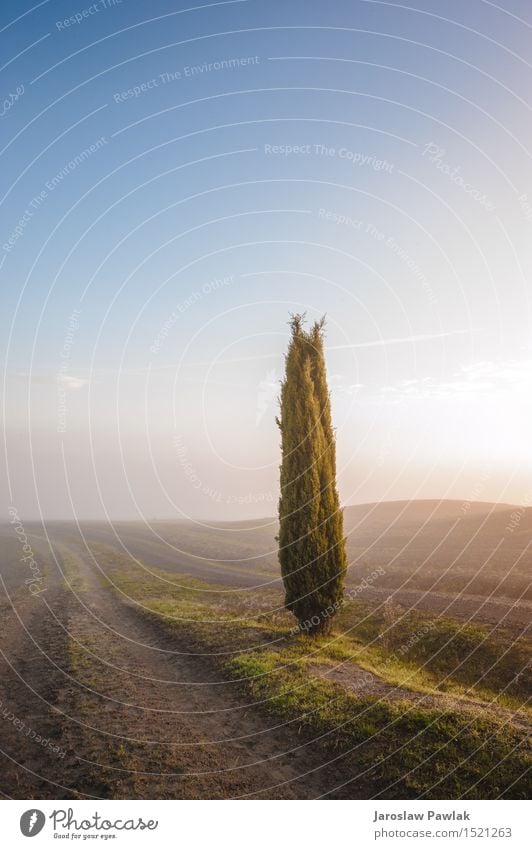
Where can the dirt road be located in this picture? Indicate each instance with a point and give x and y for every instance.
(131, 713)
(99, 700)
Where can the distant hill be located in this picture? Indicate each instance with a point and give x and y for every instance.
(417, 512)
(442, 546)
(451, 547)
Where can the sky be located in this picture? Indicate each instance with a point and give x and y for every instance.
(177, 179)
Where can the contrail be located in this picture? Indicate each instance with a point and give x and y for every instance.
(376, 343)
(397, 340)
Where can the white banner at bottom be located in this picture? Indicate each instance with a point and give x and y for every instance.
(256, 825)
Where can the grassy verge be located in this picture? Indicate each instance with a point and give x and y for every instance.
(398, 748)
(438, 653)
(394, 747)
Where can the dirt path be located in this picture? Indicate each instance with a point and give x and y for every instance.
(99, 700)
(133, 715)
(365, 683)
(33, 653)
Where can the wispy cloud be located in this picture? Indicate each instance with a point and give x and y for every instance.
(401, 340)
(277, 355)
(68, 381)
(480, 379)
(267, 393)
(340, 385)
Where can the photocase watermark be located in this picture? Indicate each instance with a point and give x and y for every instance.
(517, 515)
(87, 12)
(30, 733)
(63, 380)
(35, 582)
(350, 594)
(93, 827)
(476, 492)
(187, 72)
(32, 822)
(526, 206)
(65, 820)
(181, 308)
(436, 155)
(323, 150)
(11, 99)
(37, 201)
(211, 492)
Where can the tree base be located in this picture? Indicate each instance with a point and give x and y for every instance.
(311, 628)
(321, 630)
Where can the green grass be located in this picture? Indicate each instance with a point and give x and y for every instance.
(399, 749)
(395, 749)
(72, 579)
(442, 654)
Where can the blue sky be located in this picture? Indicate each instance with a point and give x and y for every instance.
(179, 179)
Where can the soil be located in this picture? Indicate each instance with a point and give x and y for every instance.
(100, 700)
(133, 713)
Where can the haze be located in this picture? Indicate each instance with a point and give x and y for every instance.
(376, 172)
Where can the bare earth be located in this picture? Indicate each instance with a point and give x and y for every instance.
(135, 716)
(99, 700)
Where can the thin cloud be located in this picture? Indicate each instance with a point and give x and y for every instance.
(376, 343)
(71, 382)
(67, 381)
(399, 340)
(484, 378)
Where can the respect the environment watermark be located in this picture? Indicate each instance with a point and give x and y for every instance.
(50, 185)
(187, 72)
(367, 229)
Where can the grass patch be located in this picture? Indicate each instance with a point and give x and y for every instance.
(397, 749)
(442, 654)
(393, 748)
(73, 580)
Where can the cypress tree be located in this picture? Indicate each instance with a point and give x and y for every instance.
(311, 539)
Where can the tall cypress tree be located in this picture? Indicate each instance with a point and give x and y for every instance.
(311, 539)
